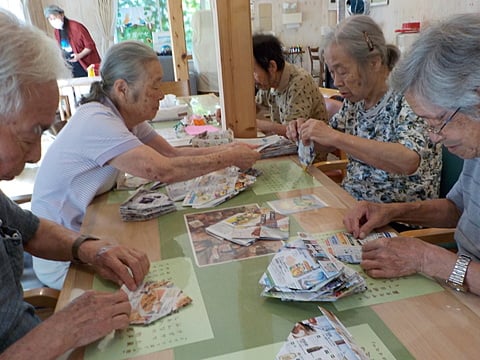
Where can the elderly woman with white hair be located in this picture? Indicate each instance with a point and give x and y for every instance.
(390, 157)
(109, 135)
(441, 80)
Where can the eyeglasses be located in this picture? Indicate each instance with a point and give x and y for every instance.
(437, 131)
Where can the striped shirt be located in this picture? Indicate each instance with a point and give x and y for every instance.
(75, 170)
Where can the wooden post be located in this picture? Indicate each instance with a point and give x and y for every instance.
(177, 32)
(233, 30)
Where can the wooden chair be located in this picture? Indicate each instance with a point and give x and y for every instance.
(177, 88)
(451, 169)
(334, 169)
(439, 236)
(332, 106)
(43, 299)
(317, 64)
(64, 107)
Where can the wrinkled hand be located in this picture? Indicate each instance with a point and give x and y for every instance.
(365, 217)
(244, 156)
(293, 127)
(393, 257)
(90, 317)
(317, 131)
(120, 264)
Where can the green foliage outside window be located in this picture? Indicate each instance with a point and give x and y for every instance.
(138, 19)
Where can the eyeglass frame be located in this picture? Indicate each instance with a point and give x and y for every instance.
(434, 131)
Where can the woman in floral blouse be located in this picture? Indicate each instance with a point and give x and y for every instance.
(390, 156)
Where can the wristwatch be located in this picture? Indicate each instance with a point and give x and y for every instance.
(76, 245)
(457, 277)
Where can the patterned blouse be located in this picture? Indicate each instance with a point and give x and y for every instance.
(297, 96)
(390, 120)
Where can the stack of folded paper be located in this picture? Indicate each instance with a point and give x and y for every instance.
(343, 245)
(249, 224)
(322, 337)
(282, 146)
(271, 146)
(300, 272)
(145, 205)
(216, 187)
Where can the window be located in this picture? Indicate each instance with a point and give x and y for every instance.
(147, 21)
(14, 6)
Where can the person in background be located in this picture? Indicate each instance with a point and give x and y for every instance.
(109, 135)
(30, 64)
(288, 91)
(78, 46)
(441, 80)
(390, 156)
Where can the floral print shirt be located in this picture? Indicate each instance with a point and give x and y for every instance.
(390, 120)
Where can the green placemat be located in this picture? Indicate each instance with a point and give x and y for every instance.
(281, 176)
(118, 196)
(386, 290)
(191, 324)
(241, 319)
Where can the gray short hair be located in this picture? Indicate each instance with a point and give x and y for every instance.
(125, 60)
(28, 57)
(53, 10)
(443, 64)
(363, 39)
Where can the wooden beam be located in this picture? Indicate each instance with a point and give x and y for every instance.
(233, 30)
(177, 32)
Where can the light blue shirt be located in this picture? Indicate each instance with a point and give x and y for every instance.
(466, 196)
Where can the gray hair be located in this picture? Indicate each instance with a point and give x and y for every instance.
(28, 57)
(125, 60)
(53, 10)
(363, 39)
(443, 64)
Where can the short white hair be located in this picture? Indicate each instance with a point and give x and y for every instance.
(28, 58)
(443, 65)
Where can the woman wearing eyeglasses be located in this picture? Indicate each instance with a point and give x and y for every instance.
(390, 157)
(441, 81)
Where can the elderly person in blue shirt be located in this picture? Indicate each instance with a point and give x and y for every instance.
(30, 64)
(441, 80)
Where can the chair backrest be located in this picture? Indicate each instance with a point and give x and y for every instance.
(178, 88)
(316, 56)
(451, 169)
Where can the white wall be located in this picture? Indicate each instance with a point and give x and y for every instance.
(315, 15)
(317, 18)
(391, 17)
